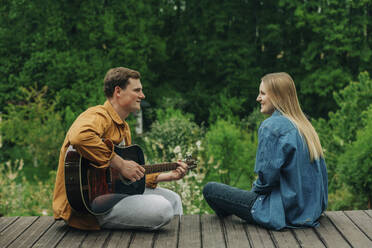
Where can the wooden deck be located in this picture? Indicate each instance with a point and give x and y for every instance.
(337, 229)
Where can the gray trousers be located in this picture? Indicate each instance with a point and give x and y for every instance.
(150, 211)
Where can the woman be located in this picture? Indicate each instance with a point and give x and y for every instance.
(291, 188)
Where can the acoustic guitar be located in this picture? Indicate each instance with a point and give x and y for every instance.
(97, 190)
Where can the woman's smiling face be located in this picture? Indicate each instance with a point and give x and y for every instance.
(264, 99)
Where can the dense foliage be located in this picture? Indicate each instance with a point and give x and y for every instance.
(201, 64)
(347, 153)
(188, 49)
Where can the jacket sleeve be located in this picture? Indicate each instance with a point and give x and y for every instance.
(272, 152)
(151, 180)
(85, 135)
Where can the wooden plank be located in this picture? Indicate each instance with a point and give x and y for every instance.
(284, 238)
(95, 239)
(168, 235)
(33, 233)
(142, 239)
(369, 212)
(119, 238)
(6, 221)
(189, 233)
(73, 238)
(13, 231)
(348, 229)
(235, 235)
(337, 229)
(259, 237)
(362, 220)
(52, 236)
(329, 234)
(212, 235)
(307, 238)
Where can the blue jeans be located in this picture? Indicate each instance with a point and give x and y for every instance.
(226, 200)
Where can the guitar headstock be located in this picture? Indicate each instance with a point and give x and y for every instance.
(191, 162)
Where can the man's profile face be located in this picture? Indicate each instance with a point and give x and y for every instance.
(130, 98)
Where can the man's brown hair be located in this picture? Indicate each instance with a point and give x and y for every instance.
(118, 77)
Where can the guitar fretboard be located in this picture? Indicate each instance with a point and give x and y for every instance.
(160, 167)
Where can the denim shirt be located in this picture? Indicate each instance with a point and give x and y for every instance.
(293, 191)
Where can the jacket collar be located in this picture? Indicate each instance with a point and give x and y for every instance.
(115, 117)
(276, 113)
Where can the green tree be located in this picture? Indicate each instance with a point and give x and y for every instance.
(193, 49)
(69, 46)
(231, 44)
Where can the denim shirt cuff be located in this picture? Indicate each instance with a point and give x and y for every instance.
(261, 191)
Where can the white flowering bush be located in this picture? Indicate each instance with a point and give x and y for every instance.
(190, 189)
(172, 137)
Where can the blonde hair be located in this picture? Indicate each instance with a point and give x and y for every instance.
(282, 91)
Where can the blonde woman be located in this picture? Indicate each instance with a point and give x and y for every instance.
(291, 188)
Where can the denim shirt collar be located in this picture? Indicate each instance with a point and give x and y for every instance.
(276, 113)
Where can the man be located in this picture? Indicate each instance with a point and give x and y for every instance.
(94, 134)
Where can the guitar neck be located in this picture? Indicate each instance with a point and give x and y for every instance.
(160, 167)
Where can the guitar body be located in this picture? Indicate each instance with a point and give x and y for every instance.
(97, 190)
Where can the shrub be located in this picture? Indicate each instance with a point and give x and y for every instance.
(32, 132)
(172, 130)
(355, 165)
(231, 152)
